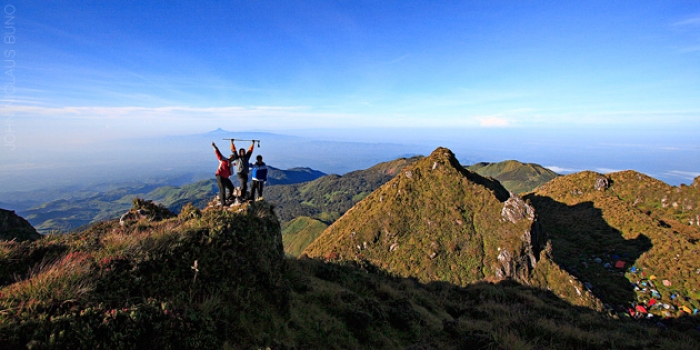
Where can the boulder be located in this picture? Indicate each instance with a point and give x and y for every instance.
(515, 209)
(602, 183)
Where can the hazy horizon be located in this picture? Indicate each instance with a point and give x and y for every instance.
(340, 151)
(90, 90)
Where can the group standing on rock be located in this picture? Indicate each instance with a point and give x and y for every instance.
(241, 161)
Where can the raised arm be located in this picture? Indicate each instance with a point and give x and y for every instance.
(250, 150)
(233, 148)
(216, 151)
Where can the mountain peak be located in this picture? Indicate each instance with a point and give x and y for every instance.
(435, 221)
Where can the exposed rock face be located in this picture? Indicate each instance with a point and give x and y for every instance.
(14, 227)
(145, 210)
(517, 264)
(515, 209)
(441, 222)
(602, 183)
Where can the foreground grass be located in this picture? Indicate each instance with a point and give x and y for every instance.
(219, 280)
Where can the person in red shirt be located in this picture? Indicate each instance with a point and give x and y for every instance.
(222, 176)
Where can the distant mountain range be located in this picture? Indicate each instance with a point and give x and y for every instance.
(73, 213)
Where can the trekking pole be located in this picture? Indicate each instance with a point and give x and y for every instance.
(258, 141)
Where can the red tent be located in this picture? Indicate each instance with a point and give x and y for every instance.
(652, 302)
(641, 309)
(620, 264)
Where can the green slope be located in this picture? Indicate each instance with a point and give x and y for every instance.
(328, 197)
(515, 176)
(435, 221)
(298, 233)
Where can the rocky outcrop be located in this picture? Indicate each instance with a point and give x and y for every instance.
(517, 263)
(602, 183)
(515, 209)
(145, 210)
(14, 227)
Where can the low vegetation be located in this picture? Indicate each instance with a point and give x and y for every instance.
(515, 176)
(329, 197)
(299, 233)
(219, 280)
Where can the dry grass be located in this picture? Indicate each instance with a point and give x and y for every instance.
(65, 279)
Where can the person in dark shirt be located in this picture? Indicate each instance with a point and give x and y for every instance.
(242, 159)
(259, 177)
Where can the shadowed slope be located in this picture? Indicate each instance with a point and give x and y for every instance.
(595, 221)
(14, 227)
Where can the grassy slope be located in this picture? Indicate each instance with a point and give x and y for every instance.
(328, 197)
(515, 176)
(299, 233)
(627, 220)
(435, 221)
(181, 283)
(135, 287)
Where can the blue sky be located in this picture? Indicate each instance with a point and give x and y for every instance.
(83, 71)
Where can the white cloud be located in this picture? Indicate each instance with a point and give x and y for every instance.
(694, 21)
(493, 122)
(560, 170)
(607, 170)
(683, 174)
(689, 49)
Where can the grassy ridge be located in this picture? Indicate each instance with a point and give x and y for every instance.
(186, 282)
(515, 176)
(329, 197)
(434, 221)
